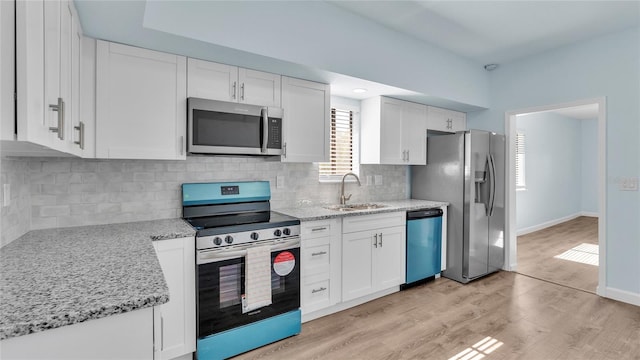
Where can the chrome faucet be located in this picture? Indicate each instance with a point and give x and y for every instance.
(343, 199)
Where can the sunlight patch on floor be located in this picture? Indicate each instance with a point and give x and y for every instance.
(478, 350)
(583, 253)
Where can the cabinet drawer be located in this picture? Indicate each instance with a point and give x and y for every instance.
(315, 293)
(375, 221)
(314, 229)
(316, 259)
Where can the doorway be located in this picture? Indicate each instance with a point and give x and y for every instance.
(550, 234)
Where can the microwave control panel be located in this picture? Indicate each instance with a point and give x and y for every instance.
(275, 133)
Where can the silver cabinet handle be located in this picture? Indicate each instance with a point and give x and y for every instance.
(233, 92)
(319, 228)
(284, 150)
(322, 288)
(375, 240)
(319, 253)
(380, 244)
(80, 129)
(404, 155)
(59, 107)
(242, 91)
(407, 155)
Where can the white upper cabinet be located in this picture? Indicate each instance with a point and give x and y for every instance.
(47, 72)
(7, 66)
(259, 88)
(210, 80)
(306, 107)
(393, 132)
(140, 103)
(446, 120)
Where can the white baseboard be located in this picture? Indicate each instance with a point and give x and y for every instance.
(622, 295)
(550, 223)
(589, 214)
(547, 224)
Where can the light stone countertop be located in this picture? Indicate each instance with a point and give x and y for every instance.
(320, 212)
(56, 277)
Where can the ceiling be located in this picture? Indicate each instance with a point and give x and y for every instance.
(499, 31)
(482, 31)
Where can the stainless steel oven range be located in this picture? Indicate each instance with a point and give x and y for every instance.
(248, 267)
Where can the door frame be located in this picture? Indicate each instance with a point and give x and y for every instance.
(511, 258)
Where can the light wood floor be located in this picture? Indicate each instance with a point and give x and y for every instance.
(536, 253)
(532, 319)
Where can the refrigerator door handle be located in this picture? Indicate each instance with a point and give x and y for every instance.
(492, 181)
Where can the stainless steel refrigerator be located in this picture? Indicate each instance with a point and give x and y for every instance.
(466, 169)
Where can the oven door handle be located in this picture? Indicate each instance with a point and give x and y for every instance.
(205, 257)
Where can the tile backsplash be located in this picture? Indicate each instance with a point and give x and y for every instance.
(15, 218)
(61, 192)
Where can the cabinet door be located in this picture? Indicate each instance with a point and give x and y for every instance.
(389, 258)
(437, 119)
(53, 10)
(414, 133)
(391, 147)
(357, 266)
(259, 88)
(210, 80)
(178, 317)
(86, 135)
(140, 103)
(306, 107)
(458, 120)
(7, 74)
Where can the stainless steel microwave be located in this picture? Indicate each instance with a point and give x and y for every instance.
(220, 127)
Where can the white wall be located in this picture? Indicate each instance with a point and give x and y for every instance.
(589, 129)
(606, 66)
(276, 36)
(553, 169)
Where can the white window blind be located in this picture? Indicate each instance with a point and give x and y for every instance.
(520, 153)
(340, 146)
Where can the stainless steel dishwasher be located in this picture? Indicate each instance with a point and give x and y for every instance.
(424, 244)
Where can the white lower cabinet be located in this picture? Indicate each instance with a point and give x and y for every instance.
(373, 254)
(123, 336)
(175, 321)
(321, 265)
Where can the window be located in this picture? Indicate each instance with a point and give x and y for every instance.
(342, 158)
(520, 167)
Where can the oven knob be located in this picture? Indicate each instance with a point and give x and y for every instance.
(277, 232)
(228, 239)
(254, 236)
(286, 231)
(217, 240)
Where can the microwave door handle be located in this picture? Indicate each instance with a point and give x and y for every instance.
(265, 128)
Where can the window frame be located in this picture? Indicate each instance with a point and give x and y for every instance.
(355, 142)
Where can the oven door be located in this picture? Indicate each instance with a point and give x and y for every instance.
(220, 280)
(218, 127)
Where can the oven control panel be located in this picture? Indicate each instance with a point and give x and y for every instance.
(221, 240)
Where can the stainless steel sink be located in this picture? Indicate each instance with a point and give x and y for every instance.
(355, 207)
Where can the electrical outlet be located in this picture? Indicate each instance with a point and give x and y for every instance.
(378, 179)
(6, 195)
(369, 180)
(280, 182)
(628, 184)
